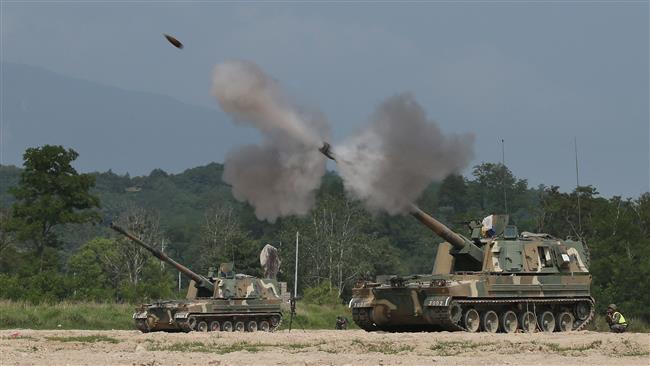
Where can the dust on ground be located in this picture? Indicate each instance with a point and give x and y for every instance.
(320, 347)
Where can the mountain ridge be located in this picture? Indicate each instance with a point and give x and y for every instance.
(110, 127)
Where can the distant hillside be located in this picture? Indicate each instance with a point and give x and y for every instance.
(110, 127)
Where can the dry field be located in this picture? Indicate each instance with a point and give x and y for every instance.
(324, 347)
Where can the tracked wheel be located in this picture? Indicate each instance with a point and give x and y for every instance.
(565, 322)
(528, 322)
(240, 327)
(582, 310)
(215, 326)
(202, 326)
(227, 326)
(275, 322)
(192, 322)
(472, 320)
(547, 321)
(142, 325)
(251, 326)
(455, 312)
(264, 326)
(490, 321)
(509, 322)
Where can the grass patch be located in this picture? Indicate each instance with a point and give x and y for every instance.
(181, 347)
(453, 348)
(18, 337)
(229, 348)
(65, 315)
(208, 348)
(554, 347)
(632, 350)
(314, 316)
(107, 316)
(85, 339)
(383, 347)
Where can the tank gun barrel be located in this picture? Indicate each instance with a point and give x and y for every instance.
(437, 227)
(200, 280)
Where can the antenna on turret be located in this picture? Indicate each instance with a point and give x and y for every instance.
(503, 177)
(575, 145)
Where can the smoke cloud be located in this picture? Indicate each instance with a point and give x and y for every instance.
(390, 163)
(387, 165)
(279, 176)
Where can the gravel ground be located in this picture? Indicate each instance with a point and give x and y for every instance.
(324, 347)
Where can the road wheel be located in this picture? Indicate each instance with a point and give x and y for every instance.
(202, 326)
(239, 327)
(509, 322)
(275, 322)
(547, 321)
(251, 326)
(472, 321)
(191, 322)
(455, 312)
(490, 321)
(142, 325)
(565, 322)
(264, 326)
(226, 326)
(528, 322)
(582, 310)
(215, 326)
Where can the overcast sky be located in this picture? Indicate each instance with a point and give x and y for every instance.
(536, 74)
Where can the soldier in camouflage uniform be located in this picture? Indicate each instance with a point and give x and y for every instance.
(616, 321)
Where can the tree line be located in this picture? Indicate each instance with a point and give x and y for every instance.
(55, 244)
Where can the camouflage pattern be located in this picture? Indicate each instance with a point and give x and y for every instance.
(224, 302)
(507, 283)
(239, 302)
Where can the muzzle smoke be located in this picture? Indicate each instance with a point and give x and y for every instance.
(279, 176)
(387, 166)
(390, 163)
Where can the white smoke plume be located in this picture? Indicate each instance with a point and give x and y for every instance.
(390, 163)
(280, 175)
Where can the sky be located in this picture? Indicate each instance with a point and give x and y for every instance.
(536, 74)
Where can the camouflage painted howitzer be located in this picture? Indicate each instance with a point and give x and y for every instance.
(506, 282)
(225, 302)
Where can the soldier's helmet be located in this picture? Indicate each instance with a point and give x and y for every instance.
(612, 306)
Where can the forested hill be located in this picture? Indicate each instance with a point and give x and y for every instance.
(201, 224)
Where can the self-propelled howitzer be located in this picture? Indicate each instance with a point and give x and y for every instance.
(222, 302)
(494, 280)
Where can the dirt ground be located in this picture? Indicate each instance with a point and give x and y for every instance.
(354, 347)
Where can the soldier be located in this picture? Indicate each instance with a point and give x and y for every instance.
(341, 323)
(616, 321)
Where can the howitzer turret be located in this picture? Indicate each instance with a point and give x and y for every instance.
(468, 255)
(198, 279)
(497, 281)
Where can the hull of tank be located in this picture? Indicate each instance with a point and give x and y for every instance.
(208, 315)
(475, 302)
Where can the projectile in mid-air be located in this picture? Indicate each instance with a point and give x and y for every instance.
(173, 41)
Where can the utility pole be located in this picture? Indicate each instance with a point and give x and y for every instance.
(575, 146)
(503, 177)
(295, 275)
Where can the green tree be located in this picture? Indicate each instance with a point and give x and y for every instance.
(50, 193)
(98, 271)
